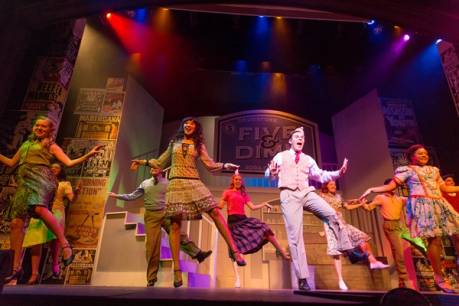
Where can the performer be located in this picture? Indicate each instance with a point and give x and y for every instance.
(358, 238)
(154, 192)
(249, 234)
(36, 187)
(453, 199)
(187, 197)
(37, 233)
(429, 215)
(294, 169)
(391, 209)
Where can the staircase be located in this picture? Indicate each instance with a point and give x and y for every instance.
(120, 260)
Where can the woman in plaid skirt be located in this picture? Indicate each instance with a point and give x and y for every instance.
(249, 234)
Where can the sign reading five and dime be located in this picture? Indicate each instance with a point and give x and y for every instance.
(252, 138)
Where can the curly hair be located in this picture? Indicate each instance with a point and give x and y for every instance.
(51, 132)
(324, 187)
(62, 176)
(411, 150)
(198, 137)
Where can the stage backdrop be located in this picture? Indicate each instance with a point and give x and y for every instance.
(252, 138)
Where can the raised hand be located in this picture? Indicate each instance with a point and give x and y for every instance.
(274, 168)
(112, 194)
(230, 166)
(365, 194)
(135, 163)
(95, 150)
(343, 168)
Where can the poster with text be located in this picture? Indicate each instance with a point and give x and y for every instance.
(115, 84)
(80, 271)
(90, 101)
(98, 127)
(113, 103)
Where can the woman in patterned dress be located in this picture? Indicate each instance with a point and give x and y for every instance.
(187, 197)
(429, 215)
(37, 233)
(36, 188)
(358, 238)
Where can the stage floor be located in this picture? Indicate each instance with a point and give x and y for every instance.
(51, 295)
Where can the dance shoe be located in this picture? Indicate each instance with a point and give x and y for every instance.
(303, 285)
(202, 255)
(342, 285)
(378, 265)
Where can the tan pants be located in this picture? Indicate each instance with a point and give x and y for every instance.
(153, 221)
(393, 229)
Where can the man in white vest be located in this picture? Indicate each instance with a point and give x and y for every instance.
(294, 169)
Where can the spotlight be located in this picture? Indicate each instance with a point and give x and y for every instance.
(438, 41)
(372, 21)
(261, 16)
(406, 37)
(278, 17)
(108, 15)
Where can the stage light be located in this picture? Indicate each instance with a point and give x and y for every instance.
(438, 41)
(108, 15)
(278, 17)
(261, 16)
(406, 37)
(372, 21)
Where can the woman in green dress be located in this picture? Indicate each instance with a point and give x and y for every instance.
(36, 187)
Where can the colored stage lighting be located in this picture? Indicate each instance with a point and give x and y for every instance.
(406, 37)
(372, 21)
(108, 15)
(438, 41)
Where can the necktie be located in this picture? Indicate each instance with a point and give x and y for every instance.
(297, 157)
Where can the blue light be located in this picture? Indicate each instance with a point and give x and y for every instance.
(240, 66)
(141, 14)
(261, 16)
(372, 21)
(438, 41)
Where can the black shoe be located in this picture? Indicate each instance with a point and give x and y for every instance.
(202, 255)
(303, 285)
(151, 283)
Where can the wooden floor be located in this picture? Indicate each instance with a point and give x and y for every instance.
(51, 295)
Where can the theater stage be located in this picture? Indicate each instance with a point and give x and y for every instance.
(51, 295)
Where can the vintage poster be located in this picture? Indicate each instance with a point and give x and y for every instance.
(6, 195)
(115, 84)
(113, 103)
(80, 271)
(86, 213)
(450, 63)
(89, 101)
(46, 97)
(400, 122)
(96, 166)
(98, 127)
(53, 69)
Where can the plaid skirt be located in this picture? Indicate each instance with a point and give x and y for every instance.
(249, 234)
(188, 199)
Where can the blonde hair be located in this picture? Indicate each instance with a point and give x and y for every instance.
(51, 133)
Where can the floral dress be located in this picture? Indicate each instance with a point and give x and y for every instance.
(356, 236)
(428, 213)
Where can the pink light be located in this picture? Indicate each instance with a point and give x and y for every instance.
(406, 37)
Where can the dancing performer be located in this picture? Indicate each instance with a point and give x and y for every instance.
(429, 215)
(391, 209)
(249, 234)
(36, 188)
(358, 238)
(37, 233)
(153, 191)
(294, 169)
(187, 197)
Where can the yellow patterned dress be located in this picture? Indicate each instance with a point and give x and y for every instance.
(187, 197)
(37, 232)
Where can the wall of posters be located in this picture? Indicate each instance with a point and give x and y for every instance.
(80, 271)
(97, 165)
(450, 63)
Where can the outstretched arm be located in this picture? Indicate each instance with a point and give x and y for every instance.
(352, 204)
(449, 189)
(136, 194)
(383, 188)
(10, 162)
(63, 158)
(377, 201)
(258, 206)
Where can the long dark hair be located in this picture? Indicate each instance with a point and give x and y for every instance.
(198, 137)
(62, 176)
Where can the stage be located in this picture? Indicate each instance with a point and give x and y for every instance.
(51, 295)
